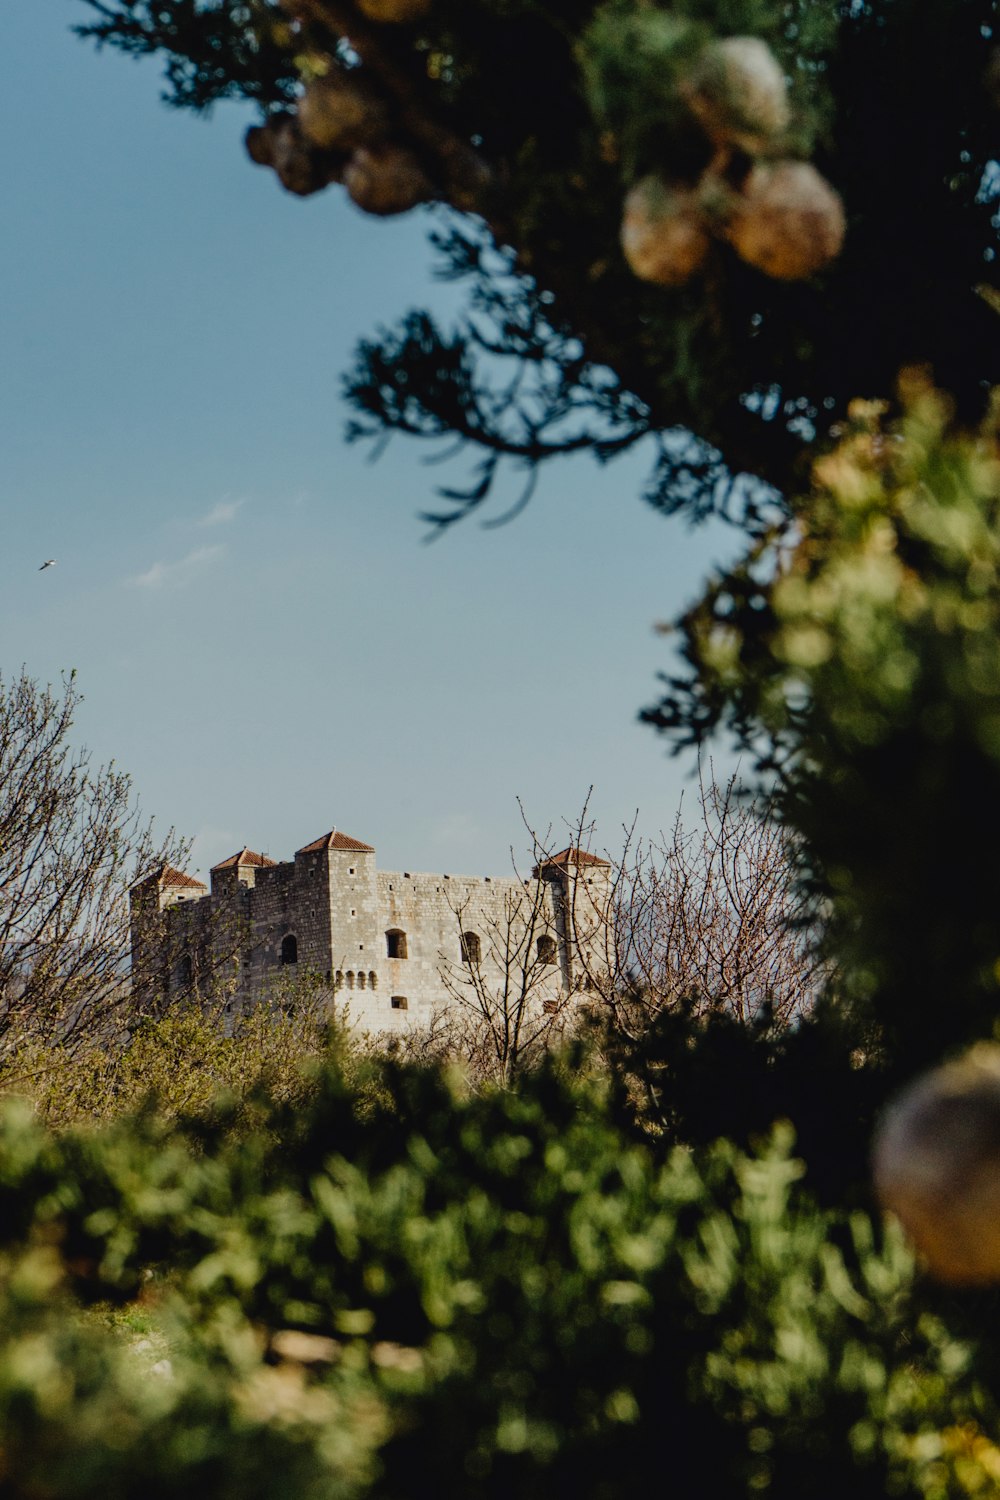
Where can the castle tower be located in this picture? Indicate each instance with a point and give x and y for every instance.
(581, 899)
(162, 891)
(343, 868)
(239, 869)
(232, 924)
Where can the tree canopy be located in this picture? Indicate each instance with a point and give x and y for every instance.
(532, 121)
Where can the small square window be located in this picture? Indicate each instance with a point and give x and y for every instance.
(400, 1002)
(351, 870)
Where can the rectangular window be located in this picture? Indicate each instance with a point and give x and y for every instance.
(400, 1002)
(395, 943)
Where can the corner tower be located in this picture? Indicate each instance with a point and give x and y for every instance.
(340, 870)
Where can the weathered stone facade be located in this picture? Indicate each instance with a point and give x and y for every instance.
(393, 947)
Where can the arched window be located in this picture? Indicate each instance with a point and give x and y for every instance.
(373, 980)
(546, 949)
(338, 981)
(184, 972)
(350, 979)
(361, 979)
(470, 948)
(289, 949)
(395, 943)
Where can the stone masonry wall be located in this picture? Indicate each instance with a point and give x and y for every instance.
(388, 944)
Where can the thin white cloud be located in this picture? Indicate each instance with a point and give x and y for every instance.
(222, 513)
(176, 574)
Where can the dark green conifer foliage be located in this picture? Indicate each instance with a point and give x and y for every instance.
(894, 100)
(858, 655)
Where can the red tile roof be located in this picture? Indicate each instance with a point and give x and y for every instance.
(573, 856)
(335, 840)
(244, 857)
(167, 875)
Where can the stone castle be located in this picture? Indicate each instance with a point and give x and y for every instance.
(395, 948)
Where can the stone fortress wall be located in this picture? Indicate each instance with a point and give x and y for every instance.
(395, 948)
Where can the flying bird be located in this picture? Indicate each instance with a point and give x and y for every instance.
(49, 562)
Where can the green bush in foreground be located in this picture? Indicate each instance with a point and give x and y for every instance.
(855, 656)
(469, 1296)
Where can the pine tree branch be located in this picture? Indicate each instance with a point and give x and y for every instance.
(463, 174)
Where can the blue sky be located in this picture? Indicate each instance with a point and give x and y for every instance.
(263, 638)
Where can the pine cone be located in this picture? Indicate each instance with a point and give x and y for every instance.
(260, 146)
(738, 93)
(787, 221)
(937, 1166)
(664, 236)
(280, 144)
(340, 112)
(386, 180)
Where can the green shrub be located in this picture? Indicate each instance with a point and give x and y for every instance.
(460, 1295)
(183, 1062)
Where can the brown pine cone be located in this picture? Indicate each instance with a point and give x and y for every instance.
(787, 220)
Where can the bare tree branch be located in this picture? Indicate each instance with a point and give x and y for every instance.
(71, 840)
(709, 919)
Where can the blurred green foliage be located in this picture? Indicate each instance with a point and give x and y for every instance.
(856, 655)
(634, 60)
(468, 1295)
